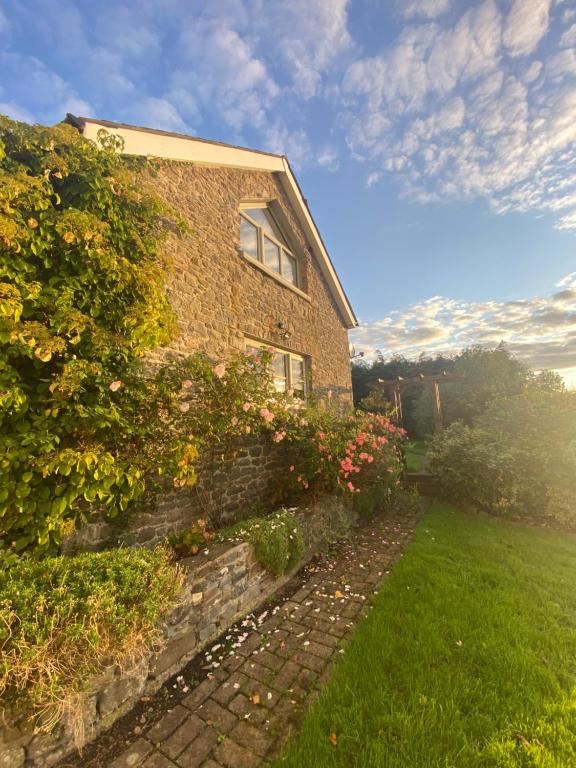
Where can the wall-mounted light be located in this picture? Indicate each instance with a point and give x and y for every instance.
(283, 331)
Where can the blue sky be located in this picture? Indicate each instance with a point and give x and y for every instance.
(434, 139)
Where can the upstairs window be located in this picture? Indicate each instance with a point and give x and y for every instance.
(261, 239)
(288, 371)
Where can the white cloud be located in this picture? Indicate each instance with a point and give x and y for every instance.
(158, 113)
(568, 38)
(452, 116)
(48, 96)
(16, 112)
(540, 330)
(428, 9)
(526, 25)
(328, 158)
(307, 37)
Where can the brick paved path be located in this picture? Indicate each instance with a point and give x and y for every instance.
(272, 665)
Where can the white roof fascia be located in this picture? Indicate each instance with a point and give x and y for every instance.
(150, 143)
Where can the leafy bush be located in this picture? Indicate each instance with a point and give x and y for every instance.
(189, 542)
(64, 618)
(82, 297)
(277, 540)
(518, 459)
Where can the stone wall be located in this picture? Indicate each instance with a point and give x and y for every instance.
(220, 297)
(251, 476)
(220, 587)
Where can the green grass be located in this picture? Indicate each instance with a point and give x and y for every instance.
(467, 659)
(415, 453)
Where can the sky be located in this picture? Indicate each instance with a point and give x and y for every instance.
(435, 140)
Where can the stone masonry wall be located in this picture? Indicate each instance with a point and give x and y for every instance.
(220, 297)
(220, 587)
(252, 475)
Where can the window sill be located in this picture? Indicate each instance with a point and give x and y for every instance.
(275, 276)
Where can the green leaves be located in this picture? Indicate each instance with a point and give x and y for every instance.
(81, 298)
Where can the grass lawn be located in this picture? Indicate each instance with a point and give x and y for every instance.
(415, 452)
(467, 659)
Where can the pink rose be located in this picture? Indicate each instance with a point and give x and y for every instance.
(246, 407)
(186, 384)
(266, 414)
(219, 370)
(292, 468)
(350, 486)
(115, 386)
(184, 407)
(234, 421)
(279, 436)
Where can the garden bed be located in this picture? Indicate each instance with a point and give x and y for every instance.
(221, 583)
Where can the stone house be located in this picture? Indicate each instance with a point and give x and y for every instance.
(252, 270)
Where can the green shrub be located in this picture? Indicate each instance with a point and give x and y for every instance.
(519, 458)
(190, 541)
(63, 619)
(277, 540)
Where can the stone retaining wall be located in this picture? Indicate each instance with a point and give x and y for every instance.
(220, 586)
(255, 471)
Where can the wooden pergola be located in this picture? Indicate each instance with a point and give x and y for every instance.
(398, 385)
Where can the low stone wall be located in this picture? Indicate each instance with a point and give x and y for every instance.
(253, 472)
(220, 586)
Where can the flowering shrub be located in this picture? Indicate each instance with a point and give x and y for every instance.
(351, 453)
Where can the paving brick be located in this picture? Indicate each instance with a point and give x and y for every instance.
(157, 760)
(309, 661)
(133, 756)
(200, 693)
(254, 739)
(244, 708)
(255, 671)
(182, 736)
(167, 725)
(232, 755)
(215, 714)
(197, 752)
(226, 692)
(286, 676)
(324, 638)
(318, 649)
(269, 660)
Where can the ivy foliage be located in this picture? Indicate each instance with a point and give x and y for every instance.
(82, 297)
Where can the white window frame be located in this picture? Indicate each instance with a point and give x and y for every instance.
(288, 357)
(260, 235)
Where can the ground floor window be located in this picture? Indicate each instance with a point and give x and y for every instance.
(288, 370)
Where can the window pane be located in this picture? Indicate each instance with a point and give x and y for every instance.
(271, 255)
(297, 376)
(279, 372)
(288, 267)
(262, 217)
(248, 238)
